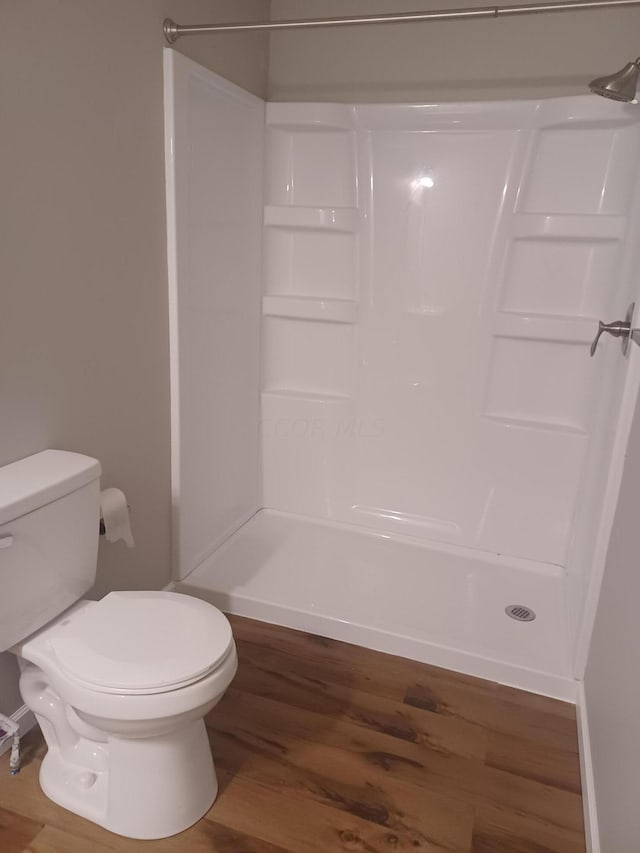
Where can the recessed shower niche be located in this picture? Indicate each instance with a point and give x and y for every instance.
(435, 442)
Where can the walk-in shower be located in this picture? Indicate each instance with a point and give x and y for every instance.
(386, 424)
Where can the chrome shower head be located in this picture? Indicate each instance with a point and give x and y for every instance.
(620, 86)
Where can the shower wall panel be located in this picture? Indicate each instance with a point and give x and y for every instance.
(214, 151)
(433, 275)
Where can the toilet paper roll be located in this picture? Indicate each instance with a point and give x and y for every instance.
(115, 515)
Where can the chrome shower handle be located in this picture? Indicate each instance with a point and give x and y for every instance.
(617, 329)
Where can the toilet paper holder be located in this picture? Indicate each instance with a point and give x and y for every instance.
(115, 517)
(102, 528)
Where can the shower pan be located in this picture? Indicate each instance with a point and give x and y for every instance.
(386, 424)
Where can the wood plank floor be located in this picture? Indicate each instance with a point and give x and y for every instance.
(321, 746)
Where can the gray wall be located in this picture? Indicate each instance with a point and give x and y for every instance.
(525, 57)
(612, 681)
(83, 320)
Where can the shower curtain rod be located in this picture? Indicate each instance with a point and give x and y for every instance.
(173, 31)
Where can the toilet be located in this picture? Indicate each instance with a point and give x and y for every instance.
(120, 686)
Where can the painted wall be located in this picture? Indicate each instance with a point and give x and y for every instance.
(83, 326)
(612, 686)
(527, 57)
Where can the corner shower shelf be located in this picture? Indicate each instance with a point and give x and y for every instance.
(309, 396)
(544, 327)
(568, 226)
(344, 220)
(511, 421)
(310, 308)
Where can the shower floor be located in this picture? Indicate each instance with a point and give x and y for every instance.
(437, 604)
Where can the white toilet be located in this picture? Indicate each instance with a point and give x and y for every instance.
(119, 686)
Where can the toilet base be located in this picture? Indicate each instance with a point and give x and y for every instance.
(153, 787)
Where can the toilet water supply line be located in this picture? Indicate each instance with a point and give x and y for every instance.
(10, 729)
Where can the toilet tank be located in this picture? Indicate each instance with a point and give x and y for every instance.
(49, 528)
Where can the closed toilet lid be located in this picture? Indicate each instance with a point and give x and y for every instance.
(142, 642)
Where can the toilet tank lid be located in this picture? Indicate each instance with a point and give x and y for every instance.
(37, 480)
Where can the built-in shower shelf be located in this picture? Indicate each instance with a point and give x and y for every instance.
(310, 118)
(310, 308)
(310, 396)
(568, 226)
(345, 220)
(539, 327)
(538, 425)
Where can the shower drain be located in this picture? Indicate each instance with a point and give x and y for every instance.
(520, 613)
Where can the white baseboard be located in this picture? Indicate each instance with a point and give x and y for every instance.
(25, 719)
(586, 774)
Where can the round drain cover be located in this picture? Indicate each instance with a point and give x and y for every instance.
(520, 613)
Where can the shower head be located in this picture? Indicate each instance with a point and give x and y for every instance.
(620, 86)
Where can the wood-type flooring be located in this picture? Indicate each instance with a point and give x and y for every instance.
(324, 747)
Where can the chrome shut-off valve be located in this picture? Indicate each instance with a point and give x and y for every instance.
(618, 329)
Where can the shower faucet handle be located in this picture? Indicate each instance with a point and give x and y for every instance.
(617, 329)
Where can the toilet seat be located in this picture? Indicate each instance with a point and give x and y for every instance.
(141, 642)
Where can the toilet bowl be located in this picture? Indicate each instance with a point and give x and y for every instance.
(120, 688)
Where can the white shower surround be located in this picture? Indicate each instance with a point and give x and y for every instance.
(436, 442)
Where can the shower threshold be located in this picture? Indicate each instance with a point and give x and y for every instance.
(433, 603)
